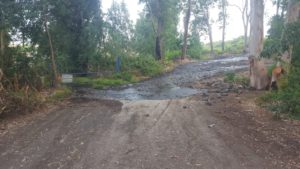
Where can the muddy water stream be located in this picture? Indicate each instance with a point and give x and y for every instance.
(170, 85)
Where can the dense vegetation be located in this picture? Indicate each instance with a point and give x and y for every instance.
(284, 37)
(39, 40)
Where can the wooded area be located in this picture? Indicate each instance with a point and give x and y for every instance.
(39, 40)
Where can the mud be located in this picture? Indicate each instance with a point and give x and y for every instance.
(171, 85)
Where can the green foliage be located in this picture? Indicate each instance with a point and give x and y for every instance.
(235, 46)
(272, 45)
(99, 83)
(286, 99)
(118, 30)
(231, 77)
(171, 55)
(146, 66)
(126, 76)
(21, 101)
(162, 18)
(144, 36)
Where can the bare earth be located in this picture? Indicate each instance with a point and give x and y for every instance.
(204, 131)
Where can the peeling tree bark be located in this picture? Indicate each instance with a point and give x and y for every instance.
(258, 71)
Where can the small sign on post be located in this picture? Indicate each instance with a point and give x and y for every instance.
(66, 78)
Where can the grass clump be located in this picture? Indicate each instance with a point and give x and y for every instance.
(146, 66)
(102, 83)
(60, 94)
(106, 82)
(231, 77)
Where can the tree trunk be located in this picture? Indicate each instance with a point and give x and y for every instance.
(186, 29)
(158, 46)
(246, 19)
(223, 35)
(224, 12)
(212, 53)
(258, 71)
(210, 34)
(2, 48)
(245, 38)
(54, 69)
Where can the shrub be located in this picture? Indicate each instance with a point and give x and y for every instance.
(171, 55)
(146, 66)
(231, 77)
(126, 76)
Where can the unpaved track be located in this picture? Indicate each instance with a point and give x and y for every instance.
(141, 134)
(91, 134)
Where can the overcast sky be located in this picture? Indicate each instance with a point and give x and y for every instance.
(234, 27)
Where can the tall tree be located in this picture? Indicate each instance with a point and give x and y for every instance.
(223, 18)
(186, 28)
(293, 14)
(118, 30)
(202, 19)
(258, 72)
(163, 13)
(209, 29)
(245, 13)
(76, 21)
(144, 35)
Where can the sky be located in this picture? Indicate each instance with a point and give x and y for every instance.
(234, 27)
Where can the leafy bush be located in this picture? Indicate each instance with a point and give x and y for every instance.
(286, 99)
(126, 76)
(171, 55)
(146, 66)
(19, 102)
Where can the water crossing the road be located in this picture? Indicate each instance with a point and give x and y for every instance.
(170, 85)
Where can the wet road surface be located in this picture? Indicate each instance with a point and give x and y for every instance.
(150, 125)
(171, 85)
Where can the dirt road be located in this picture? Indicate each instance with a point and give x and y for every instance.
(203, 131)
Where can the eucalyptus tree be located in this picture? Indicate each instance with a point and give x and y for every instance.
(244, 9)
(223, 4)
(118, 31)
(187, 18)
(164, 18)
(10, 19)
(258, 72)
(203, 19)
(144, 36)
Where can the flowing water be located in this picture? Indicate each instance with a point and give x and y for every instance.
(170, 85)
